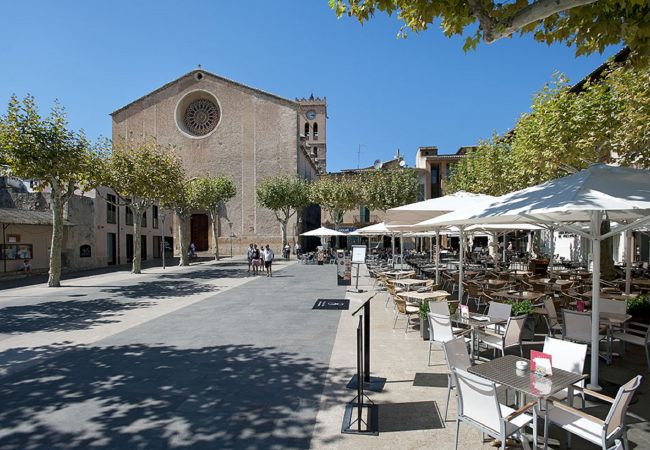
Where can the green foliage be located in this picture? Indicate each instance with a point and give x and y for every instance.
(209, 192)
(520, 307)
(43, 148)
(385, 189)
(565, 131)
(589, 25)
(336, 195)
(142, 172)
(488, 169)
(283, 194)
(639, 306)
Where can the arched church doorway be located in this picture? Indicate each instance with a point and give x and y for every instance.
(199, 225)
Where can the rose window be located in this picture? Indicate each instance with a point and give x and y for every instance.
(201, 117)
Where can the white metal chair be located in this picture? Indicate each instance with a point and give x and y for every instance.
(593, 429)
(439, 307)
(510, 337)
(568, 356)
(479, 407)
(634, 333)
(576, 326)
(441, 330)
(550, 317)
(497, 310)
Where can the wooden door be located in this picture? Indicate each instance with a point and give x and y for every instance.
(199, 225)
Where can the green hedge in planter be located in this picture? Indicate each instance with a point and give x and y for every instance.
(520, 308)
(639, 306)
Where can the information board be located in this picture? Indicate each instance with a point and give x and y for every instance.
(344, 269)
(358, 254)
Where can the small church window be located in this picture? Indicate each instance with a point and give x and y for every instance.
(315, 130)
(307, 130)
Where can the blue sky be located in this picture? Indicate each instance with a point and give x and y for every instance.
(383, 93)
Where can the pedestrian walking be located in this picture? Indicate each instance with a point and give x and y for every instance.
(298, 250)
(249, 256)
(192, 252)
(268, 260)
(256, 259)
(287, 251)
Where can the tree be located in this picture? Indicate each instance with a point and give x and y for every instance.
(589, 25)
(385, 189)
(485, 170)
(210, 193)
(44, 149)
(336, 195)
(283, 195)
(607, 120)
(183, 202)
(141, 173)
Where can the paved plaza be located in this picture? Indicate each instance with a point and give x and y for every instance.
(210, 357)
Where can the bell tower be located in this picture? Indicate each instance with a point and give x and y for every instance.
(313, 128)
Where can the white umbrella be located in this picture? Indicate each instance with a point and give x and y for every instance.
(417, 212)
(322, 231)
(621, 193)
(408, 215)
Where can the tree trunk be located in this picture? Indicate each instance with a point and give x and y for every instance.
(137, 240)
(607, 271)
(182, 240)
(283, 231)
(214, 217)
(56, 204)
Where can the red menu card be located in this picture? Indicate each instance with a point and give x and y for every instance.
(541, 363)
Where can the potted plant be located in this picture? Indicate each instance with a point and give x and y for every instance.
(424, 320)
(524, 308)
(639, 308)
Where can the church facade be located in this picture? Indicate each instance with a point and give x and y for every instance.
(221, 127)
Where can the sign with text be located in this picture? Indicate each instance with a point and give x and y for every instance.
(358, 254)
(344, 269)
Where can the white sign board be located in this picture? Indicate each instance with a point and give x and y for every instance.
(358, 254)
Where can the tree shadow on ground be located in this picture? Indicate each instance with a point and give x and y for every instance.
(208, 274)
(160, 289)
(63, 315)
(146, 397)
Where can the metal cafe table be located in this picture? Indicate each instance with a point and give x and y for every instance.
(474, 322)
(517, 295)
(422, 296)
(504, 371)
(408, 283)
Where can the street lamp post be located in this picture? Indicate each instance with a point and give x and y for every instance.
(162, 243)
(231, 236)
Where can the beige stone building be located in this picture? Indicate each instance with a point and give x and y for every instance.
(96, 233)
(222, 127)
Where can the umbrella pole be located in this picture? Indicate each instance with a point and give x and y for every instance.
(392, 239)
(401, 251)
(438, 256)
(628, 260)
(430, 248)
(550, 260)
(596, 219)
(460, 263)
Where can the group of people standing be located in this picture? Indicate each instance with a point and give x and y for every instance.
(260, 258)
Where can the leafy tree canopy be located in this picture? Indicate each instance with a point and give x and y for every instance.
(336, 195)
(142, 171)
(283, 193)
(209, 192)
(589, 25)
(43, 148)
(385, 189)
(608, 121)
